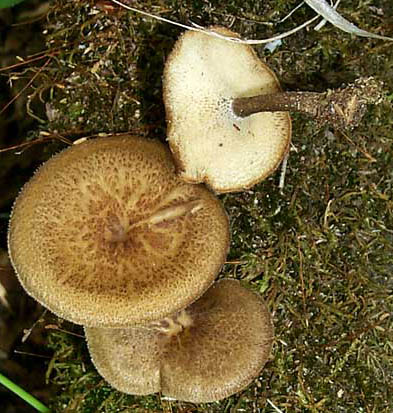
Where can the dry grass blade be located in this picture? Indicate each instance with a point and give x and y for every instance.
(332, 16)
(3, 296)
(26, 86)
(320, 6)
(198, 28)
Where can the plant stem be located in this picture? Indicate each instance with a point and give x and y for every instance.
(343, 107)
(23, 394)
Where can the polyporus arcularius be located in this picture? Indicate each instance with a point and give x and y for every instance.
(209, 351)
(106, 234)
(228, 120)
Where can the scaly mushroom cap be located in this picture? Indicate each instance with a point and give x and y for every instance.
(202, 76)
(105, 234)
(209, 351)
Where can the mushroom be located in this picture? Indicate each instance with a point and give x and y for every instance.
(106, 234)
(228, 121)
(207, 352)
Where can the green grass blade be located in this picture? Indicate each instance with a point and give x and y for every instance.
(23, 394)
(9, 3)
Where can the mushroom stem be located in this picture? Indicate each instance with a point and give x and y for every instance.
(342, 107)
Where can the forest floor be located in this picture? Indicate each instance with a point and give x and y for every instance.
(320, 251)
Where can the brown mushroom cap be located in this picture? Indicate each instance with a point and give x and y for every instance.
(106, 234)
(202, 76)
(209, 351)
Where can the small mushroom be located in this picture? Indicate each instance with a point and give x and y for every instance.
(228, 121)
(106, 234)
(207, 352)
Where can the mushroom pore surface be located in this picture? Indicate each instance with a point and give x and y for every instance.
(105, 234)
(202, 77)
(209, 351)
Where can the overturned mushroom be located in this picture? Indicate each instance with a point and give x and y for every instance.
(105, 234)
(209, 351)
(228, 121)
